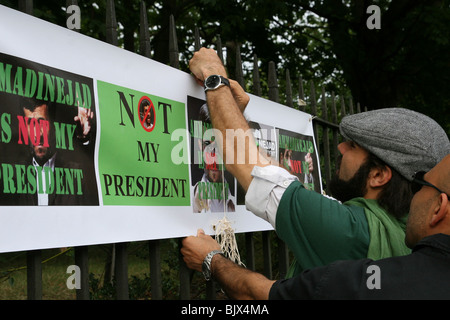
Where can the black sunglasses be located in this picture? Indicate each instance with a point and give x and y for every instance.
(418, 182)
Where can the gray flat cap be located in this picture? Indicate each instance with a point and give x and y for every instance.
(406, 140)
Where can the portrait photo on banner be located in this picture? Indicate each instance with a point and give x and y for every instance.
(48, 132)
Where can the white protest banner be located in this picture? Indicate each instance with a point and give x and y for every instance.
(101, 145)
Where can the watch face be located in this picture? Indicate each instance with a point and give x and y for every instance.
(212, 81)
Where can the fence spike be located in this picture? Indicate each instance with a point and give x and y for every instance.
(173, 44)
(351, 106)
(26, 6)
(197, 44)
(301, 101)
(111, 23)
(273, 83)
(239, 72)
(289, 101)
(314, 113)
(256, 78)
(324, 105)
(144, 34)
(219, 48)
(334, 119)
(313, 99)
(325, 138)
(343, 112)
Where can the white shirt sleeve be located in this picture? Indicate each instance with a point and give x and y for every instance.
(265, 191)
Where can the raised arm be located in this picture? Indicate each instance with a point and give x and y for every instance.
(226, 116)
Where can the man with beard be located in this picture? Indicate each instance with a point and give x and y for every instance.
(384, 149)
(423, 274)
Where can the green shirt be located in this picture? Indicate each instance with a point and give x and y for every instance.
(319, 230)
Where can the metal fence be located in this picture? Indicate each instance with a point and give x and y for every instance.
(327, 110)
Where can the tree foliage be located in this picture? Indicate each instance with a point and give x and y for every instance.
(406, 63)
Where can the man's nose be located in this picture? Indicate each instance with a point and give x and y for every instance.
(343, 147)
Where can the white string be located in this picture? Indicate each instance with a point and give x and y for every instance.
(224, 231)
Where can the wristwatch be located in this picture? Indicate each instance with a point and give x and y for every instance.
(215, 81)
(206, 265)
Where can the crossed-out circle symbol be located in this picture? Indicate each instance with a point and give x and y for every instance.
(147, 115)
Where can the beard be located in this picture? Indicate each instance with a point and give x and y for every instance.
(344, 190)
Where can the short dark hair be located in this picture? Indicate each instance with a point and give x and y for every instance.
(396, 195)
(31, 104)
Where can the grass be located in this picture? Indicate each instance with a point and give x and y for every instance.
(54, 276)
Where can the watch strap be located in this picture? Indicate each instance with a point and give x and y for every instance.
(206, 266)
(221, 82)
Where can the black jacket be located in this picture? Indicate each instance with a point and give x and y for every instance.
(423, 274)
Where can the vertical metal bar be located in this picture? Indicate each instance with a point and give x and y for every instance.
(185, 276)
(335, 131)
(256, 78)
(301, 94)
(121, 272)
(343, 112)
(71, 2)
(197, 44)
(82, 261)
(314, 113)
(289, 100)
(325, 138)
(173, 44)
(272, 82)
(219, 48)
(210, 290)
(155, 269)
(358, 107)
(26, 6)
(249, 251)
(111, 23)
(350, 103)
(267, 254)
(34, 275)
(144, 34)
(239, 72)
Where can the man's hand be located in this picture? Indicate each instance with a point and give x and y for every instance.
(204, 63)
(225, 108)
(195, 249)
(84, 119)
(238, 282)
